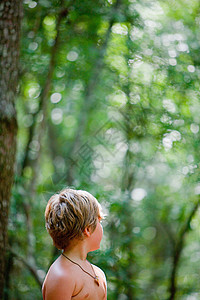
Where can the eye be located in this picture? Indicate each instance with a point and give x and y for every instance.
(101, 221)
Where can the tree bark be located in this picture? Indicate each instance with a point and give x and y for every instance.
(10, 21)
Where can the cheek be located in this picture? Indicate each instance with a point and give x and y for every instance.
(101, 229)
(100, 232)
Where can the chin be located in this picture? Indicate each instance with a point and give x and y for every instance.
(95, 248)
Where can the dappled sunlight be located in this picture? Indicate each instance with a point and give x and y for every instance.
(108, 102)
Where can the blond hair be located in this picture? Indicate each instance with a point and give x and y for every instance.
(67, 215)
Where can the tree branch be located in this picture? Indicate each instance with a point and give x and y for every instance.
(45, 92)
(89, 93)
(178, 250)
(41, 109)
(31, 268)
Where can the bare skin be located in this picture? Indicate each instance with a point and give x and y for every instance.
(66, 281)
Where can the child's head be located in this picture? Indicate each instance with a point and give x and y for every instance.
(67, 215)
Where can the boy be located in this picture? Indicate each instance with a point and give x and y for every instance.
(73, 221)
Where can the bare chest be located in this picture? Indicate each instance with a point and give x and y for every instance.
(90, 290)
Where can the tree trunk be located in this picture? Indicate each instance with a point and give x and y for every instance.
(10, 19)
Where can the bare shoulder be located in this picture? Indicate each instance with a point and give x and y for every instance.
(100, 273)
(59, 283)
(102, 279)
(98, 270)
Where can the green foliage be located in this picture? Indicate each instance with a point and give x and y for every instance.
(120, 119)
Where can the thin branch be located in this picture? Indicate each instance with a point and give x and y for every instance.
(168, 231)
(31, 268)
(88, 102)
(32, 132)
(42, 108)
(43, 98)
(178, 251)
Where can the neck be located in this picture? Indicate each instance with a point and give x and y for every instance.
(95, 277)
(77, 252)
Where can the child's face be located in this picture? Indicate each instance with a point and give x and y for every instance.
(96, 236)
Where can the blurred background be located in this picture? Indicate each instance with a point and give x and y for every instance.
(109, 103)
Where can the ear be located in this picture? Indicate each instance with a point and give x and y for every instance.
(87, 231)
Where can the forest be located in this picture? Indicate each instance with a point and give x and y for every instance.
(102, 96)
